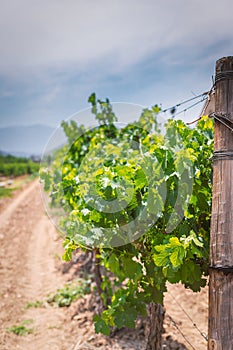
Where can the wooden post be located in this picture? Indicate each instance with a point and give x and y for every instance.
(221, 240)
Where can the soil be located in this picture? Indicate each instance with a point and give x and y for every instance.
(31, 268)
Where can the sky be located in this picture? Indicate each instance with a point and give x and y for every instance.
(55, 53)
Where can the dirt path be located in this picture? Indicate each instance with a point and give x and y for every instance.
(28, 273)
(30, 269)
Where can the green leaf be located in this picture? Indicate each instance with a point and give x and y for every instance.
(177, 256)
(173, 276)
(126, 317)
(161, 259)
(67, 256)
(140, 178)
(92, 99)
(172, 251)
(132, 268)
(101, 326)
(113, 263)
(155, 202)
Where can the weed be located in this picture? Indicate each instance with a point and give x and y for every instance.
(72, 291)
(36, 304)
(21, 329)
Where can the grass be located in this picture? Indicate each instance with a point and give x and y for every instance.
(6, 192)
(18, 182)
(66, 295)
(21, 329)
(36, 304)
(72, 291)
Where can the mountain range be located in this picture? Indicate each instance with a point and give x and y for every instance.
(25, 141)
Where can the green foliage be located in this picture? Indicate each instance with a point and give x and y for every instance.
(16, 166)
(141, 196)
(105, 115)
(21, 329)
(6, 192)
(72, 291)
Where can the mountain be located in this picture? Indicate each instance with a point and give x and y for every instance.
(24, 140)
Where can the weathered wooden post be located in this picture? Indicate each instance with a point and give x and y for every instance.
(221, 241)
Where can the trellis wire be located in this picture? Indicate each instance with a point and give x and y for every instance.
(179, 330)
(189, 317)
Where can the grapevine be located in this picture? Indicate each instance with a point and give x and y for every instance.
(141, 197)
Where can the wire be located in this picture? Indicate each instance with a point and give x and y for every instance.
(224, 75)
(193, 105)
(184, 102)
(218, 155)
(179, 330)
(189, 317)
(220, 119)
(206, 106)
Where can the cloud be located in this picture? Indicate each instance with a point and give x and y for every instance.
(54, 53)
(76, 33)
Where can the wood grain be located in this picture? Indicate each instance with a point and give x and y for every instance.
(221, 241)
